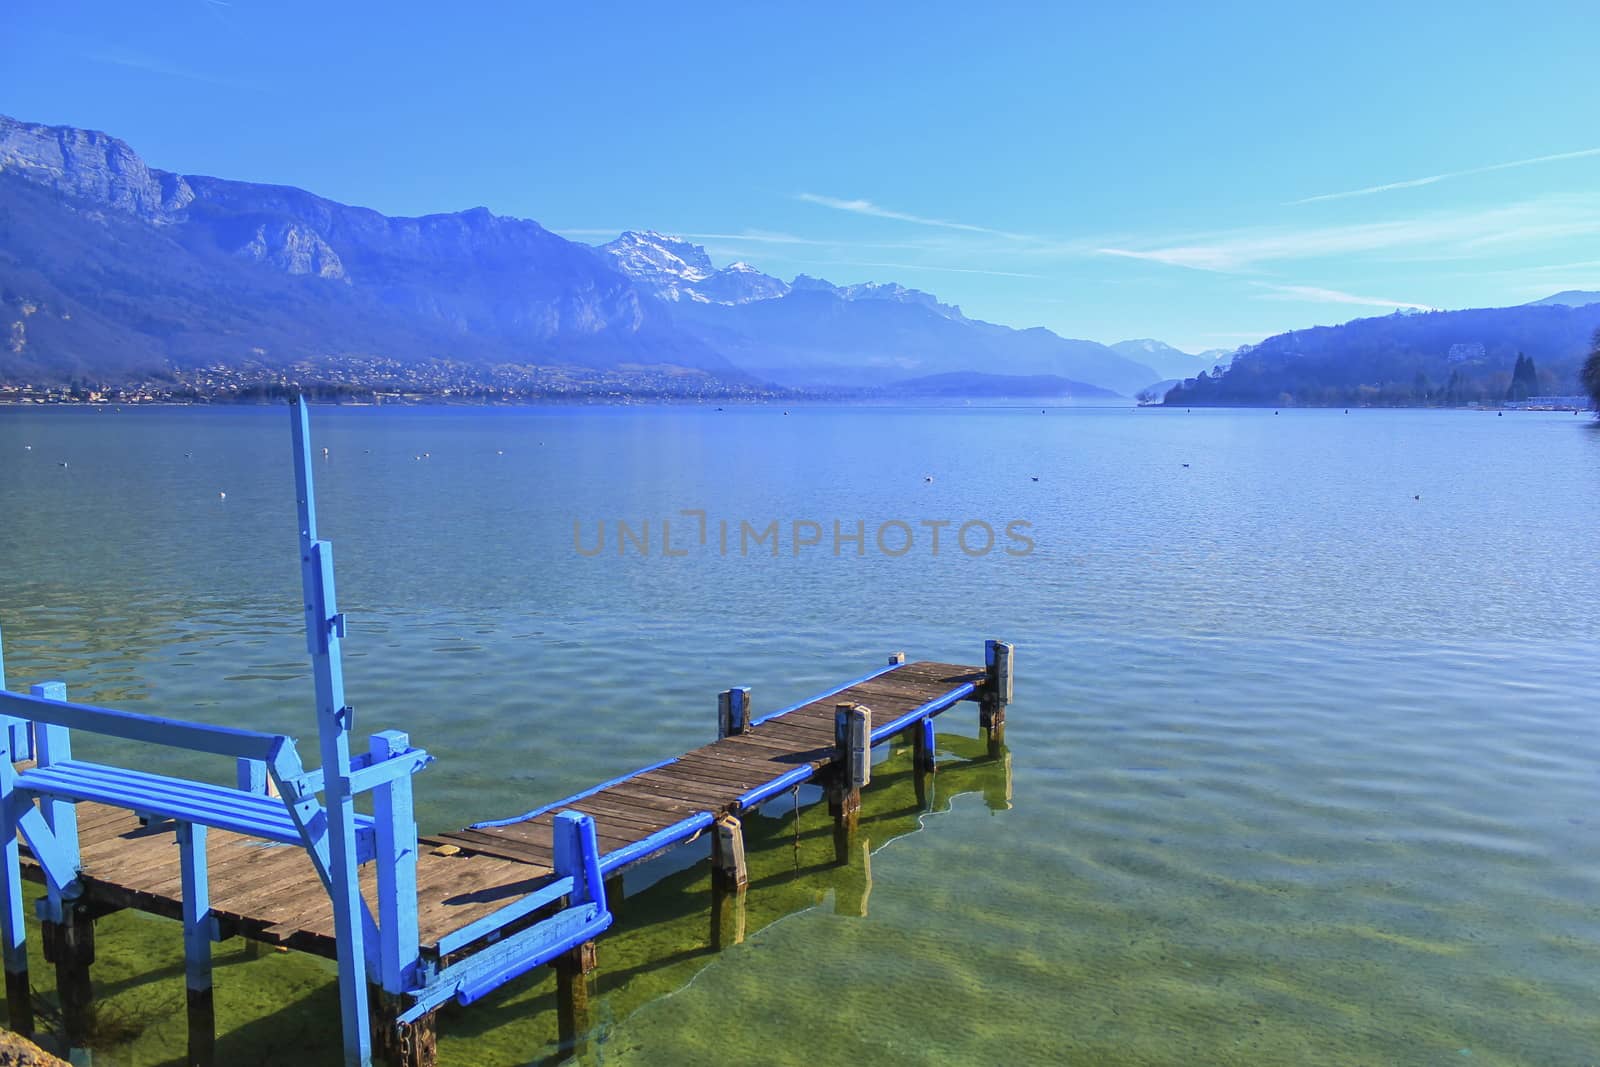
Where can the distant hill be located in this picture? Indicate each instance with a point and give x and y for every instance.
(1570, 298)
(816, 337)
(973, 384)
(1434, 358)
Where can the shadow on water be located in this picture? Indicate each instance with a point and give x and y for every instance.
(274, 1006)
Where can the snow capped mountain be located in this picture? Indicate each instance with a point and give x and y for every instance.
(1168, 361)
(883, 291)
(676, 269)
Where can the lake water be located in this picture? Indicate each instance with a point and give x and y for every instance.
(1303, 765)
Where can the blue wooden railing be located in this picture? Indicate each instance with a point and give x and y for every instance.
(314, 809)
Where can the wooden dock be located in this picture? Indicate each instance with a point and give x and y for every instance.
(285, 858)
(267, 892)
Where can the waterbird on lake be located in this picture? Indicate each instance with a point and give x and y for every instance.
(1185, 464)
(324, 451)
(925, 477)
(1036, 477)
(63, 463)
(221, 495)
(27, 448)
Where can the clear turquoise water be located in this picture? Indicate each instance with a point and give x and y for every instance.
(1303, 768)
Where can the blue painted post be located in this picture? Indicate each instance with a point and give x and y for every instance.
(67, 929)
(252, 777)
(55, 746)
(733, 711)
(922, 760)
(324, 628)
(13, 923)
(199, 930)
(396, 828)
(577, 855)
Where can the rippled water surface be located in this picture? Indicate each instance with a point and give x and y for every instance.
(1303, 765)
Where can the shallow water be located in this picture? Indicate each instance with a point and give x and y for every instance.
(1300, 765)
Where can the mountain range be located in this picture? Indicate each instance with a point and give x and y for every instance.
(113, 269)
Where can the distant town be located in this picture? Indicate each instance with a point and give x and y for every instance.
(382, 381)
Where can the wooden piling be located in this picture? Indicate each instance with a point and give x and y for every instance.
(573, 1016)
(396, 1044)
(19, 1002)
(727, 917)
(728, 868)
(733, 711)
(852, 737)
(69, 944)
(997, 659)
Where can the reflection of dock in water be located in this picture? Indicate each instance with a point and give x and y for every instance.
(796, 862)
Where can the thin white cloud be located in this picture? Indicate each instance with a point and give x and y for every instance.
(150, 65)
(1413, 183)
(1317, 295)
(1528, 225)
(867, 207)
(925, 266)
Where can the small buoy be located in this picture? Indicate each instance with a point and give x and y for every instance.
(27, 448)
(427, 455)
(221, 495)
(63, 463)
(1499, 414)
(501, 452)
(324, 451)
(786, 413)
(1036, 477)
(1185, 464)
(1417, 497)
(1347, 411)
(1274, 412)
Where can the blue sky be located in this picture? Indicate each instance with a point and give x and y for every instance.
(1204, 174)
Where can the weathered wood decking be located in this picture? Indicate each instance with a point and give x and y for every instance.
(272, 893)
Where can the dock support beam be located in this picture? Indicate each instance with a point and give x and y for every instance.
(997, 658)
(15, 740)
(199, 929)
(69, 944)
(922, 761)
(730, 876)
(852, 737)
(733, 711)
(573, 1018)
(397, 1044)
(727, 854)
